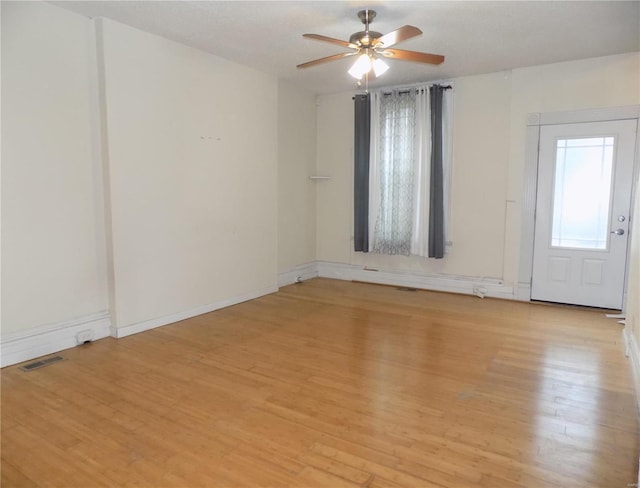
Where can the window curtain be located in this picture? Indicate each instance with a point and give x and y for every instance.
(361, 172)
(437, 200)
(399, 172)
(402, 171)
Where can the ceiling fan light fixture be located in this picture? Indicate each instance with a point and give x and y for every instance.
(379, 67)
(361, 66)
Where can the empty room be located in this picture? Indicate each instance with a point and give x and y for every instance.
(320, 244)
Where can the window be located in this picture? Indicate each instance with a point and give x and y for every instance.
(582, 193)
(408, 172)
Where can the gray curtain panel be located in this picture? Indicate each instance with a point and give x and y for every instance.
(436, 204)
(361, 173)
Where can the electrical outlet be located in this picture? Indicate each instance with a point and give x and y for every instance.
(84, 336)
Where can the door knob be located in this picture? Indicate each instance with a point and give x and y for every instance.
(618, 232)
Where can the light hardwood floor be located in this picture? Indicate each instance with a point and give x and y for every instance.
(331, 383)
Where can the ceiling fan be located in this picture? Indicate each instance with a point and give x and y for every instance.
(371, 46)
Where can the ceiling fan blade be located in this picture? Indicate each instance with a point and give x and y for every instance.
(339, 42)
(412, 56)
(334, 57)
(398, 35)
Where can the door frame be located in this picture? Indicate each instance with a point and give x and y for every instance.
(534, 122)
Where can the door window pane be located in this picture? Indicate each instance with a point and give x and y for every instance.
(582, 193)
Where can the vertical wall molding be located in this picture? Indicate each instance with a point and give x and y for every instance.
(523, 288)
(101, 141)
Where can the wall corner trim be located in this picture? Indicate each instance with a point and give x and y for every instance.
(304, 271)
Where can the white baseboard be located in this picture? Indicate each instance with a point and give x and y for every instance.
(52, 338)
(128, 330)
(48, 339)
(633, 353)
(298, 273)
(523, 292)
(487, 287)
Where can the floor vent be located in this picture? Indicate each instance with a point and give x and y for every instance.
(407, 288)
(41, 364)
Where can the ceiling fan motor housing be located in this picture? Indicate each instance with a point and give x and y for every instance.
(364, 38)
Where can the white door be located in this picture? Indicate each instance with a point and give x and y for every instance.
(585, 174)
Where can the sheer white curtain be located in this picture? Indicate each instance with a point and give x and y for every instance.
(399, 172)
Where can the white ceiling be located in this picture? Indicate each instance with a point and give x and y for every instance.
(474, 36)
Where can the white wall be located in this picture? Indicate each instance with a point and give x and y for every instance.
(488, 162)
(335, 196)
(192, 142)
(296, 162)
(139, 180)
(53, 263)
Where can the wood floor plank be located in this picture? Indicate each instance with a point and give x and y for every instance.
(331, 383)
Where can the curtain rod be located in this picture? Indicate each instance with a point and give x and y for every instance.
(408, 90)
